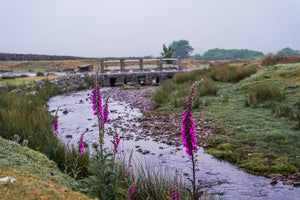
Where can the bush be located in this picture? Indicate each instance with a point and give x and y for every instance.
(231, 74)
(280, 59)
(207, 88)
(261, 93)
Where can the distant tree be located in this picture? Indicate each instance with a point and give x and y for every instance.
(270, 54)
(287, 51)
(167, 53)
(226, 54)
(197, 56)
(182, 48)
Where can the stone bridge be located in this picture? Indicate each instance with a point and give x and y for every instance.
(142, 71)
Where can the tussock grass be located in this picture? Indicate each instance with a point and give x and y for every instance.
(26, 117)
(280, 59)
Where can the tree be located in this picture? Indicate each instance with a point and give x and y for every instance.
(182, 48)
(225, 54)
(287, 51)
(197, 56)
(167, 52)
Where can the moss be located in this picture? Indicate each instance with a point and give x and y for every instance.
(216, 153)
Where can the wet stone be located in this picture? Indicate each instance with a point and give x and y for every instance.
(146, 152)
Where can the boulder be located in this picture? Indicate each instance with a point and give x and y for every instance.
(70, 69)
(85, 68)
(53, 69)
(17, 91)
(8, 76)
(40, 74)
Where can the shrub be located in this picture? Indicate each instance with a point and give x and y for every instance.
(231, 74)
(208, 87)
(280, 59)
(263, 92)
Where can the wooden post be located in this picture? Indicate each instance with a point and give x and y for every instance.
(122, 64)
(160, 64)
(102, 65)
(179, 59)
(141, 64)
(105, 64)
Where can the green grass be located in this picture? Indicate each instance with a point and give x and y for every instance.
(36, 176)
(252, 131)
(262, 138)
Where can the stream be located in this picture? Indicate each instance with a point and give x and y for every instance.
(221, 178)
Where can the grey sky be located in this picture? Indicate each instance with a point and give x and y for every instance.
(99, 28)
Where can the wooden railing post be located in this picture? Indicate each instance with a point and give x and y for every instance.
(141, 64)
(122, 64)
(179, 59)
(105, 64)
(102, 65)
(160, 64)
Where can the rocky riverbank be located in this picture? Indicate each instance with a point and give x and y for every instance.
(162, 127)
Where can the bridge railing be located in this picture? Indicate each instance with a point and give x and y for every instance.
(141, 63)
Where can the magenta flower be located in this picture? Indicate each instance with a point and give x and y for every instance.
(105, 114)
(116, 142)
(81, 145)
(188, 130)
(128, 170)
(97, 102)
(175, 194)
(55, 125)
(131, 191)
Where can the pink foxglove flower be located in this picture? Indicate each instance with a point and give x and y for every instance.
(81, 145)
(97, 101)
(188, 130)
(55, 123)
(131, 191)
(116, 142)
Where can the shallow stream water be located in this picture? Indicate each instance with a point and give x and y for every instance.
(76, 115)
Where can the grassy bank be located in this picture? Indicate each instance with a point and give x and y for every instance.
(255, 110)
(36, 176)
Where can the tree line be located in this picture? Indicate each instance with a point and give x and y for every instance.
(183, 49)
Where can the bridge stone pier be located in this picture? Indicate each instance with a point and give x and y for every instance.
(134, 78)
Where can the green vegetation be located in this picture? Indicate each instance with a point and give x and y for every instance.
(181, 48)
(287, 51)
(280, 59)
(197, 56)
(256, 115)
(226, 54)
(36, 176)
(167, 52)
(20, 120)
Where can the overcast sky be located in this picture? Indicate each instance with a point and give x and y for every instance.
(99, 28)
